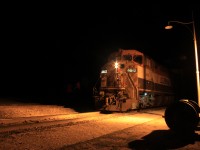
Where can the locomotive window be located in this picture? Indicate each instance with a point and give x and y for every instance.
(122, 66)
(127, 57)
(138, 59)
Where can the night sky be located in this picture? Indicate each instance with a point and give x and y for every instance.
(45, 47)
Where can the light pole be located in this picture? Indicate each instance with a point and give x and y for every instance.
(195, 49)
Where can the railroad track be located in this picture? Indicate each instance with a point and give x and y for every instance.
(51, 121)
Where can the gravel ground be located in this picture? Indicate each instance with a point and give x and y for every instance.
(81, 136)
(10, 108)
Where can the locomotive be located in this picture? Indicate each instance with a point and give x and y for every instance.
(131, 80)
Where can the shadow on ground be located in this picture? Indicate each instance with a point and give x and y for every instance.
(164, 139)
(81, 105)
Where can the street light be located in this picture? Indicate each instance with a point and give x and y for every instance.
(169, 26)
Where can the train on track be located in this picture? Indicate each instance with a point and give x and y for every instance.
(132, 80)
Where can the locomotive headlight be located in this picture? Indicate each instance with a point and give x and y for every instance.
(116, 65)
(132, 70)
(104, 71)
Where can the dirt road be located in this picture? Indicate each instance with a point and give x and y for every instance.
(93, 130)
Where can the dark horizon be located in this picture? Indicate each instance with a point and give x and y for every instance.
(48, 49)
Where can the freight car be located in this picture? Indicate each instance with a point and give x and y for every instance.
(132, 80)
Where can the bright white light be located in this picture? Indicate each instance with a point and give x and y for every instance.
(103, 71)
(116, 65)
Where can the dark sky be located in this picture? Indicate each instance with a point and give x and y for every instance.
(45, 46)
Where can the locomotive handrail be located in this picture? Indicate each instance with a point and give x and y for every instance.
(133, 85)
(113, 88)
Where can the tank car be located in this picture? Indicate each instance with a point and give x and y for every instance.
(132, 80)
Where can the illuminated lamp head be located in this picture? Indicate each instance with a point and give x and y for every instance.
(168, 27)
